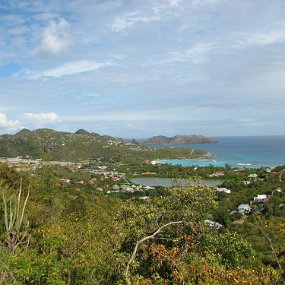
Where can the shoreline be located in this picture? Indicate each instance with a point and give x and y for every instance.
(204, 162)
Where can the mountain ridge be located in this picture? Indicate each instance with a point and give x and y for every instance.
(59, 145)
(49, 144)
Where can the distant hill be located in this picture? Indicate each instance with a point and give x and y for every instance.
(61, 145)
(81, 145)
(180, 139)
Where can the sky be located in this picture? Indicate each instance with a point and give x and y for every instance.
(138, 68)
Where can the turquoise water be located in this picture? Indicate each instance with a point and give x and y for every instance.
(251, 152)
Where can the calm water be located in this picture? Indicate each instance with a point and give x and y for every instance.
(267, 151)
(168, 182)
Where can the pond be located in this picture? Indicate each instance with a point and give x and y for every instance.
(168, 182)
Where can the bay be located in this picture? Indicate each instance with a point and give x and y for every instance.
(245, 151)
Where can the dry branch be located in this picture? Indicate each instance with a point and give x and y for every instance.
(141, 241)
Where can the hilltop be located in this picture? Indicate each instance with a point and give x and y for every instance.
(82, 145)
(180, 139)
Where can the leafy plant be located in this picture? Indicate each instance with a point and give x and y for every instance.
(16, 226)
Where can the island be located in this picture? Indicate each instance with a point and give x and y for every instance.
(180, 139)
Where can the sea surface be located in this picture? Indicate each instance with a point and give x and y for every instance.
(245, 151)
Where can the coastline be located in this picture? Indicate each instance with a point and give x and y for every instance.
(237, 152)
(208, 155)
(204, 157)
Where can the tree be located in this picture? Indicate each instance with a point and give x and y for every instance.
(230, 248)
(174, 223)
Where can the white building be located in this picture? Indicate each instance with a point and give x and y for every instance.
(244, 209)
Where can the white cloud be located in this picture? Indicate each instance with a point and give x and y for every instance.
(192, 3)
(9, 124)
(90, 95)
(271, 36)
(158, 11)
(127, 21)
(197, 54)
(200, 49)
(43, 117)
(55, 38)
(114, 116)
(70, 68)
(205, 2)
(174, 2)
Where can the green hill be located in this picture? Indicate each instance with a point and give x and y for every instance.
(82, 145)
(180, 139)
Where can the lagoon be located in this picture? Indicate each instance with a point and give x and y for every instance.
(168, 182)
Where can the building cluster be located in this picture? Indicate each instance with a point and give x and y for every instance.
(21, 163)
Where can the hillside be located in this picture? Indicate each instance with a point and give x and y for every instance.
(180, 139)
(81, 145)
(75, 232)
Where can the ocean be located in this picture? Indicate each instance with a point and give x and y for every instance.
(242, 151)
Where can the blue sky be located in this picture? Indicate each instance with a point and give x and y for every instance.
(134, 68)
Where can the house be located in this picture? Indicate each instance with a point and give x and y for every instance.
(65, 180)
(213, 224)
(115, 191)
(127, 188)
(90, 181)
(225, 190)
(261, 198)
(277, 190)
(146, 199)
(149, 187)
(240, 170)
(143, 197)
(217, 174)
(116, 187)
(244, 209)
(253, 176)
(115, 178)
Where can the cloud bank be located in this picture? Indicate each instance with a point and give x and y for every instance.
(7, 124)
(71, 68)
(43, 117)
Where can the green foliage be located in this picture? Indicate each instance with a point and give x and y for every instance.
(189, 204)
(80, 236)
(50, 145)
(230, 248)
(16, 224)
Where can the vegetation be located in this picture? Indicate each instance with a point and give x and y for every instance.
(52, 145)
(70, 233)
(178, 139)
(86, 223)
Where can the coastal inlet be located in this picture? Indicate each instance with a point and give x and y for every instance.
(169, 182)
